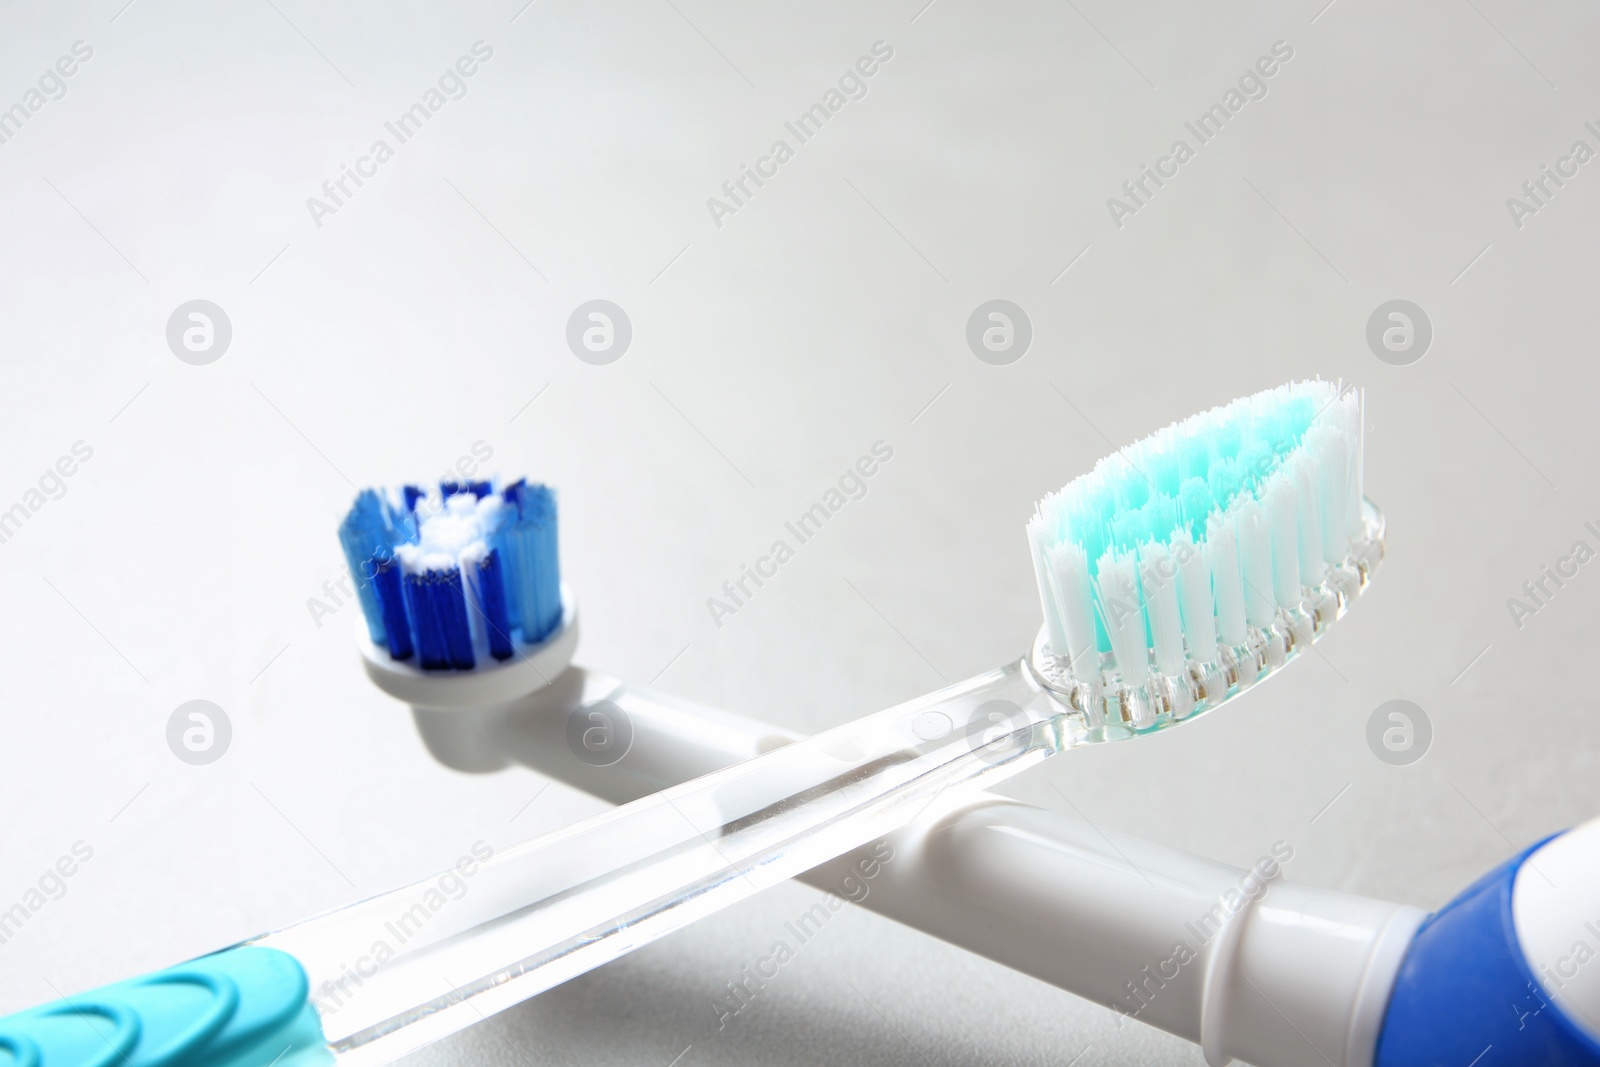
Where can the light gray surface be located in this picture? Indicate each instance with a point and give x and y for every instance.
(767, 355)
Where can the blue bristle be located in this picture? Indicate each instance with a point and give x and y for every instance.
(477, 489)
(527, 541)
(458, 631)
(391, 601)
(439, 610)
(425, 618)
(367, 534)
(414, 598)
(491, 594)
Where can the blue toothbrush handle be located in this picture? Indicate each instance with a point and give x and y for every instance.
(1466, 993)
(242, 1007)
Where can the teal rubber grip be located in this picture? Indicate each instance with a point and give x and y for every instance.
(242, 1007)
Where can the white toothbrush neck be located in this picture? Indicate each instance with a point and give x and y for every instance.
(1090, 911)
(1242, 963)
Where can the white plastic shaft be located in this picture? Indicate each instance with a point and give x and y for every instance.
(1247, 965)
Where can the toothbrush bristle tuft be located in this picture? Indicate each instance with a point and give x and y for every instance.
(1199, 558)
(454, 577)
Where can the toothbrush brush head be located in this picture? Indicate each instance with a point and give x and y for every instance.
(1197, 561)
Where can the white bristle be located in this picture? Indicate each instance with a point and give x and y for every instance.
(1194, 595)
(421, 559)
(1159, 575)
(1354, 412)
(1053, 622)
(1285, 540)
(472, 556)
(1203, 537)
(1327, 448)
(1308, 517)
(1222, 553)
(457, 524)
(1255, 557)
(1117, 598)
(1069, 569)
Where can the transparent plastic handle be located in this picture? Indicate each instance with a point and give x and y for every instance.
(403, 969)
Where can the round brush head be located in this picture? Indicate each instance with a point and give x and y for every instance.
(460, 590)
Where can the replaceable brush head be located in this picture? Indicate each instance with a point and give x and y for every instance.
(460, 591)
(1195, 562)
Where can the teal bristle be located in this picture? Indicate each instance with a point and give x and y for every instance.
(1098, 506)
(1223, 481)
(1164, 473)
(1297, 416)
(1160, 515)
(1195, 458)
(1132, 490)
(1177, 499)
(1227, 439)
(1128, 530)
(1257, 460)
(1091, 536)
(1196, 502)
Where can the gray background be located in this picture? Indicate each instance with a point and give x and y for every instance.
(767, 354)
